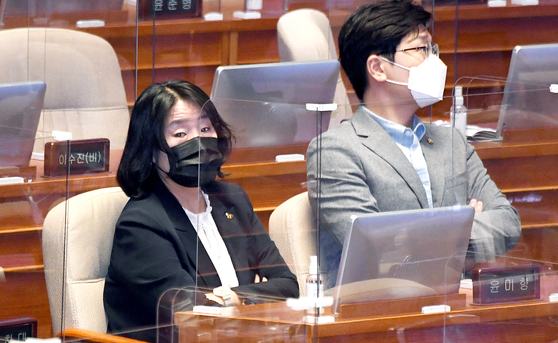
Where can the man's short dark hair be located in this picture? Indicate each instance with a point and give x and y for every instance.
(146, 132)
(376, 28)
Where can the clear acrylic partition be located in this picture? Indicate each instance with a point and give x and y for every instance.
(26, 198)
(510, 105)
(255, 175)
(476, 43)
(85, 54)
(511, 272)
(156, 44)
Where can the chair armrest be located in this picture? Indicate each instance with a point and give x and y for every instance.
(92, 336)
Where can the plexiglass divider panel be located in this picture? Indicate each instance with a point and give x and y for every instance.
(482, 94)
(511, 278)
(456, 39)
(84, 52)
(476, 42)
(27, 198)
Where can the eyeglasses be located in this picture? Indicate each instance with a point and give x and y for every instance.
(427, 49)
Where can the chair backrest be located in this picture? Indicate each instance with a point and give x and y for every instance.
(85, 93)
(292, 228)
(305, 35)
(77, 243)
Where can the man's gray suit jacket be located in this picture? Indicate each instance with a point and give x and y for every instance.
(361, 170)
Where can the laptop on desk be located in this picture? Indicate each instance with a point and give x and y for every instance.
(48, 8)
(265, 104)
(20, 109)
(403, 254)
(528, 101)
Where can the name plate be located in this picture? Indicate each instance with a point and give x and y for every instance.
(495, 285)
(18, 329)
(153, 9)
(87, 156)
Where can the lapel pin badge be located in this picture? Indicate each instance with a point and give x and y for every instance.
(229, 216)
(430, 141)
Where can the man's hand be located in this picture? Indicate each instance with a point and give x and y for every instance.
(477, 205)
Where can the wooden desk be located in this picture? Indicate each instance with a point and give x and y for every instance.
(520, 322)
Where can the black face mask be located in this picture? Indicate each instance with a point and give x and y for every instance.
(200, 154)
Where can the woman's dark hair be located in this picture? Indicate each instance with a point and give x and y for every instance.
(146, 132)
(376, 28)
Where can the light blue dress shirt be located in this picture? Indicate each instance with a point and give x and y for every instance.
(409, 142)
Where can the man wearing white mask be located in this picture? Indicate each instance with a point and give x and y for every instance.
(385, 158)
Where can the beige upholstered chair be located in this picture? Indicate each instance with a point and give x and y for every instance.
(292, 228)
(305, 35)
(77, 243)
(85, 92)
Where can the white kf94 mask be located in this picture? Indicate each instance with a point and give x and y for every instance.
(426, 81)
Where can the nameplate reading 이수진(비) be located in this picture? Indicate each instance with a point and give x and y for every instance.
(153, 9)
(87, 156)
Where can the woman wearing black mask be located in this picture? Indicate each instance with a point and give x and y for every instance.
(182, 229)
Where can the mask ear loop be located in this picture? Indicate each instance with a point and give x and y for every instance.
(172, 163)
(161, 169)
(397, 83)
(397, 65)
